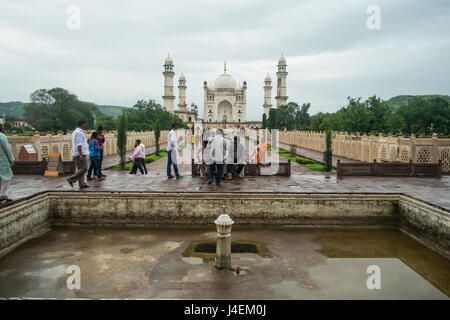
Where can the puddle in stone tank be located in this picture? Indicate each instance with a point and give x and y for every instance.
(206, 250)
(353, 246)
(162, 264)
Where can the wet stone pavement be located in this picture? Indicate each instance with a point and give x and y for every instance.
(302, 180)
(149, 263)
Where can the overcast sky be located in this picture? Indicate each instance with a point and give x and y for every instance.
(116, 56)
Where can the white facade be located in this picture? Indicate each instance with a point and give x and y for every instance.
(267, 95)
(185, 113)
(281, 97)
(168, 96)
(225, 101)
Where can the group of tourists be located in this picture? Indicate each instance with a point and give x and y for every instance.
(216, 151)
(81, 147)
(219, 152)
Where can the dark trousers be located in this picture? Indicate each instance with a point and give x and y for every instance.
(219, 173)
(81, 170)
(100, 162)
(137, 164)
(230, 169)
(144, 166)
(170, 162)
(95, 166)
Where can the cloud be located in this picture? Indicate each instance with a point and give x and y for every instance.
(117, 55)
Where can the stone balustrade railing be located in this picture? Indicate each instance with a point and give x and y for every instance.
(62, 143)
(369, 148)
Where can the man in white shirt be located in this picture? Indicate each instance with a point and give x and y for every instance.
(172, 147)
(142, 146)
(217, 154)
(80, 150)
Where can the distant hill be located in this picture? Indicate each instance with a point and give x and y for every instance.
(15, 108)
(398, 101)
(114, 111)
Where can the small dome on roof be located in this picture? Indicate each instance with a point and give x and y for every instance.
(168, 60)
(282, 60)
(268, 78)
(182, 77)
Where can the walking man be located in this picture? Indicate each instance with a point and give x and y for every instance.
(142, 146)
(235, 156)
(218, 153)
(172, 147)
(6, 162)
(80, 149)
(137, 156)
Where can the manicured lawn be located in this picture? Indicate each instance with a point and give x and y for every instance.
(148, 159)
(307, 163)
(315, 167)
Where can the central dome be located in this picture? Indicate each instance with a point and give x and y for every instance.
(225, 81)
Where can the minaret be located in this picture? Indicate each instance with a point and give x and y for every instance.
(281, 82)
(267, 95)
(206, 114)
(168, 73)
(182, 93)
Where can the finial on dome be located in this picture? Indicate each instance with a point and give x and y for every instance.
(225, 66)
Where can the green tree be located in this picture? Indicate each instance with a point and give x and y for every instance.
(142, 116)
(328, 153)
(122, 139)
(157, 131)
(264, 121)
(286, 116)
(355, 117)
(109, 123)
(302, 117)
(58, 109)
(272, 118)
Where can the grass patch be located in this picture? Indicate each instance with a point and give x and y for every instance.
(301, 160)
(315, 167)
(148, 159)
(128, 166)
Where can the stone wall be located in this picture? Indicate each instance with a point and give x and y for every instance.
(21, 221)
(380, 148)
(425, 222)
(62, 143)
(24, 219)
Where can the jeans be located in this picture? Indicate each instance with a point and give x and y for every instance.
(172, 153)
(100, 162)
(137, 164)
(144, 166)
(96, 166)
(230, 169)
(82, 168)
(212, 168)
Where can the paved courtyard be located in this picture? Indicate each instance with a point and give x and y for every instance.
(433, 190)
(150, 264)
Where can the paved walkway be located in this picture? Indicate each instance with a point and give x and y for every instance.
(302, 180)
(112, 160)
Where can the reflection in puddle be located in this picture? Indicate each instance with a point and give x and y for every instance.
(388, 244)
